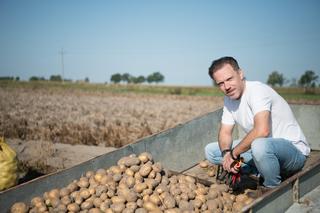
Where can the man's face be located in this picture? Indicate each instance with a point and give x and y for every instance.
(230, 82)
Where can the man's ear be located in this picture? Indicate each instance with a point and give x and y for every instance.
(241, 74)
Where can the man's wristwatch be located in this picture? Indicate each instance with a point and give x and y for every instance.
(224, 152)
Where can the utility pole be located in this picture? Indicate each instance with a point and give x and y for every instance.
(62, 64)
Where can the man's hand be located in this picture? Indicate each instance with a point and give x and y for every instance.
(228, 163)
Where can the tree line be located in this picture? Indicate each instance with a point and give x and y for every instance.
(307, 80)
(127, 78)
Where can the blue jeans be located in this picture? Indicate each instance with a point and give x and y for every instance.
(272, 157)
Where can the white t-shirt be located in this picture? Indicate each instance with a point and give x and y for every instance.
(259, 97)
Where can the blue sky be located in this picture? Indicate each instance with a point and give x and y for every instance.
(177, 38)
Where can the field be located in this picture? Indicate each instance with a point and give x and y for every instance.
(46, 115)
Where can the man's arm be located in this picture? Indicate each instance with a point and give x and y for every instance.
(225, 136)
(261, 129)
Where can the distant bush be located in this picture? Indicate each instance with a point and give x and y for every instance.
(55, 78)
(36, 78)
(9, 78)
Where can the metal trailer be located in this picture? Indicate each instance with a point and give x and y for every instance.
(180, 149)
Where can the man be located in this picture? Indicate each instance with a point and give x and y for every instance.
(274, 142)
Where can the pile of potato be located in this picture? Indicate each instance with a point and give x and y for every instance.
(135, 184)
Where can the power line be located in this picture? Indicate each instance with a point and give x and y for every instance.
(62, 63)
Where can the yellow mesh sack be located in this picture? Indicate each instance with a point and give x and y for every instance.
(8, 166)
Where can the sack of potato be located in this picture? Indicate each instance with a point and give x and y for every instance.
(8, 166)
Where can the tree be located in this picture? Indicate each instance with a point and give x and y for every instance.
(55, 78)
(141, 79)
(155, 77)
(126, 77)
(116, 78)
(158, 77)
(34, 78)
(308, 79)
(275, 78)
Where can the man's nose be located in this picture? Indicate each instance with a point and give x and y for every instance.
(226, 86)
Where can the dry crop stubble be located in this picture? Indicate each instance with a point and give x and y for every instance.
(105, 119)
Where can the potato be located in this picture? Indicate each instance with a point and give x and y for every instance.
(132, 161)
(64, 191)
(78, 199)
(54, 202)
(127, 210)
(73, 207)
(129, 172)
(131, 205)
(86, 205)
(61, 208)
(19, 207)
(145, 170)
(154, 198)
(85, 193)
(94, 210)
(115, 170)
(175, 210)
(169, 201)
(42, 208)
(139, 187)
(152, 174)
(98, 177)
(89, 174)
(92, 190)
(138, 177)
(118, 199)
(151, 183)
(197, 203)
(36, 200)
(212, 194)
(149, 206)
(211, 173)
(203, 164)
(185, 205)
(184, 196)
(104, 206)
(65, 200)
(110, 193)
(191, 195)
(135, 168)
(157, 167)
(83, 182)
(117, 177)
(237, 207)
(212, 205)
(130, 181)
(165, 180)
(131, 196)
(141, 210)
(144, 157)
(72, 187)
(105, 179)
(117, 207)
(54, 193)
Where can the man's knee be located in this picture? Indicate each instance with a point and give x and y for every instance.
(212, 151)
(260, 147)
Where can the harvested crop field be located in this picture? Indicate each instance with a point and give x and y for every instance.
(45, 118)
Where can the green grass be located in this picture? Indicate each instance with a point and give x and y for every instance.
(288, 93)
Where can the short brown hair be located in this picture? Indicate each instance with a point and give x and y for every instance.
(219, 63)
